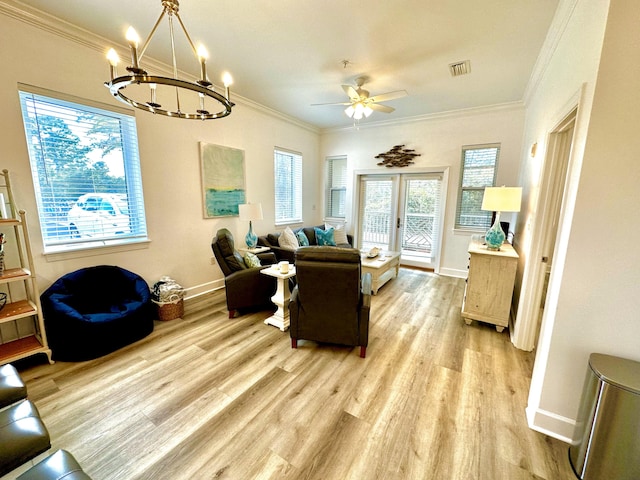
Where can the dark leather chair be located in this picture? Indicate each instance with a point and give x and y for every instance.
(331, 302)
(12, 388)
(246, 288)
(59, 466)
(23, 435)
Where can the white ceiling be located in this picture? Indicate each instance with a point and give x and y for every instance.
(287, 54)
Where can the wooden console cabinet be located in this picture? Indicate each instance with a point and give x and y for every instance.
(489, 289)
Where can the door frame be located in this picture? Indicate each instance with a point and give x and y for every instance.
(525, 331)
(355, 201)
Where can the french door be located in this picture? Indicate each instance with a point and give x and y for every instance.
(402, 212)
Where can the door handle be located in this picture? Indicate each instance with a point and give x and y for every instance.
(398, 223)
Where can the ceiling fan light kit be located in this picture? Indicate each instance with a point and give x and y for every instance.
(198, 91)
(361, 105)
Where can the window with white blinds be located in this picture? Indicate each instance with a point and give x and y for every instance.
(479, 167)
(86, 171)
(288, 187)
(336, 187)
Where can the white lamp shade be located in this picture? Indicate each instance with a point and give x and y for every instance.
(502, 199)
(250, 211)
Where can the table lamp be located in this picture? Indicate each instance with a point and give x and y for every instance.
(499, 199)
(250, 211)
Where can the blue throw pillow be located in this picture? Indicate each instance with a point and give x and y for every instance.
(325, 237)
(303, 241)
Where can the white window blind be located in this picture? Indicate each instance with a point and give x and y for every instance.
(479, 167)
(86, 171)
(336, 187)
(288, 187)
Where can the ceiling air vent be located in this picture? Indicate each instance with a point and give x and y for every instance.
(460, 68)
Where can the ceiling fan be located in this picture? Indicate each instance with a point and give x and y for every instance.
(361, 104)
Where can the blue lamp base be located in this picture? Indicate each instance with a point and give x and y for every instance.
(251, 239)
(494, 237)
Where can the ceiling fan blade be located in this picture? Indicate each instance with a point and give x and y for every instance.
(333, 103)
(351, 92)
(380, 108)
(384, 97)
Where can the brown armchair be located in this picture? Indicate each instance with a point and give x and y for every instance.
(246, 288)
(331, 302)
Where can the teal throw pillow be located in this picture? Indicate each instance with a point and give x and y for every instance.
(302, 239)
(251, 261)
(325, 237)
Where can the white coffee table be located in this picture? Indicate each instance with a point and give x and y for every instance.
(280, 318)
(382, 268)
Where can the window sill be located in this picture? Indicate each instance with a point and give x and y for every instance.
(98, 248)
(295, 223)
(469, 231)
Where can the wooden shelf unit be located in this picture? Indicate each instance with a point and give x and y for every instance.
(22, 331)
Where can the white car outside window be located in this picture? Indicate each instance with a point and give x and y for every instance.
(99, 215)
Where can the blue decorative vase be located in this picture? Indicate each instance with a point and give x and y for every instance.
(494, 237)
(252, 239)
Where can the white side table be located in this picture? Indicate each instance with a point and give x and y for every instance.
(280, 318)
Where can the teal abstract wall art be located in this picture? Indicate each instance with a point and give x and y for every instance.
(222, 180)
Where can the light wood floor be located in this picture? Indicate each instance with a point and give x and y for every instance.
(207, 397)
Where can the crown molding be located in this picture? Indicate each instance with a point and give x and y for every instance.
(556, 31)
(430, 117)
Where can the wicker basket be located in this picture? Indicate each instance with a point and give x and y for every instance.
(170, 310)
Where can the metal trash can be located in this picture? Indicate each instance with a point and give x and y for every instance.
(606, 440)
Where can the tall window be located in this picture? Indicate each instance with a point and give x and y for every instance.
(479, 166)
(288, 186)
(336, 186)
(86, 171)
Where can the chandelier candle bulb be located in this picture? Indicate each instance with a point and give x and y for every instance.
(203, 56)
(153, 103)
(133, 39)
(227, 80)
(202, 110)
(113, 59)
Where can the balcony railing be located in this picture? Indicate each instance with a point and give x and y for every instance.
(417, 233)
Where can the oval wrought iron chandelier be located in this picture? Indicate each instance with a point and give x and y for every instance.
(151, 92)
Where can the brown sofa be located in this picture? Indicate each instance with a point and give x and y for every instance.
(271, 240)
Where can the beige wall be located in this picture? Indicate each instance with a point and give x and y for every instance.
(439, 140)
(180, 237)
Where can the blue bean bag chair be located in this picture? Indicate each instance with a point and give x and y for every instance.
(96, 310)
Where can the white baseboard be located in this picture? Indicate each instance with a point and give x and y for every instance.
(203, 288)
(551, 424)
(452, 272)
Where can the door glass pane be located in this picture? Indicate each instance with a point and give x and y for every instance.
(375, 206)
(421, 213)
